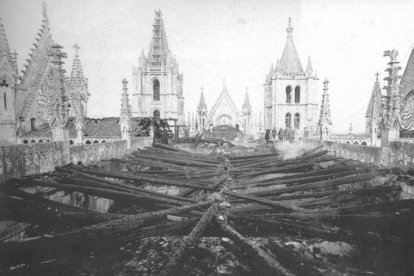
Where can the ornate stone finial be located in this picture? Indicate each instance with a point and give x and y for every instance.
(124, 84)
(325, 84)
(350, 128)
(44, 9)
(393, 54)
(289, 29)
(377, 74)
(77, 48)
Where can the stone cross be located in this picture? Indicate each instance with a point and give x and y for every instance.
(76, 47)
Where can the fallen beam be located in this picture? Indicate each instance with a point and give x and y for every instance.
(263, 262)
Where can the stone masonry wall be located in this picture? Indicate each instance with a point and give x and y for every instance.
(30, 159)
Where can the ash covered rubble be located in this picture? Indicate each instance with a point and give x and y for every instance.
(177, 212)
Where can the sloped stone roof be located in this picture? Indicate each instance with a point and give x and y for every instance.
(290, 62)
(407, 81)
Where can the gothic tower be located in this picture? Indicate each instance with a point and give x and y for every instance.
(157, 83)
(8, 88)
(290, 93)
(202, 111)
(246, 113)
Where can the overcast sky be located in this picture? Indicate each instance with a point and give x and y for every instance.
(233, 39)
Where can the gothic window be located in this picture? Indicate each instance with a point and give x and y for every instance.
(5, 101)
(288, 120)
(33, 124)
(297, 94)
(157, 113)
(288, 94)
(156, 90)
(297, 120)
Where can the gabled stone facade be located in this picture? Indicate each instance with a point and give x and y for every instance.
(8, 90)
(224, 112)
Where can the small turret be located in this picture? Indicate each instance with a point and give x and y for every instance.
(202, 110)
(125, 118)
(309, 68)
(325, 121)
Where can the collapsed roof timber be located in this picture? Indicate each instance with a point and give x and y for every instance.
(256, 212)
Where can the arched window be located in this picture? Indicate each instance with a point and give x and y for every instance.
(297, 120)
(156, 90)
(96, 142)
(5, 101)
(297, 94)
(288, 94)
(88, 142)
(288, 120)
(33, 124)
(71, 142)
(156, 114)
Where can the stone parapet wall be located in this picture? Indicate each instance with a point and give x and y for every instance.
(30, 159)
(356, 152)
(21, 160)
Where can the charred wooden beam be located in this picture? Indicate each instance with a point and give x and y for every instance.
(144, 179)
(294, 227)
(116, 185)
(177, 258)
(107, 193)
(96, 232)
(263, 262)
(327, 183)
(274, 204)
(292, 260)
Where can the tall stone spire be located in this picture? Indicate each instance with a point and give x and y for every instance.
(325, 114)
(374, 110)
(202, 106)
(202, 111)
(125, 118)
(76, 75)
(4, 45)
(246, 103)
(290, 62)
(158, 51)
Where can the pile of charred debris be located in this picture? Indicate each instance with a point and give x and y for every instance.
(183, 213)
